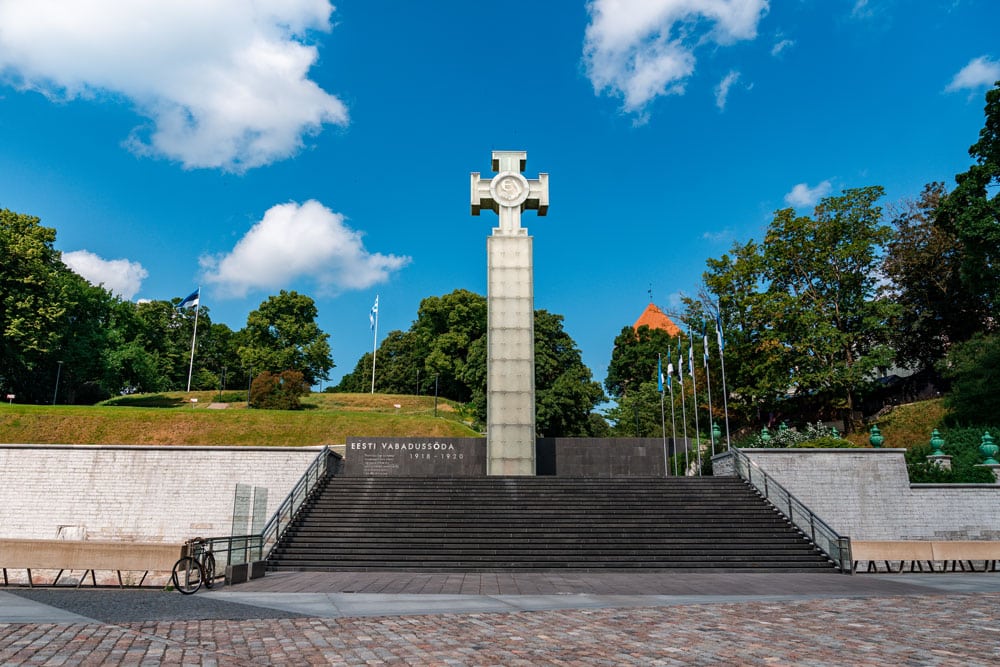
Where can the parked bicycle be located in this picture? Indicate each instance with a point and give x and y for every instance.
(195, 567)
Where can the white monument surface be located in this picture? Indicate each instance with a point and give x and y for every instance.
(510, 366)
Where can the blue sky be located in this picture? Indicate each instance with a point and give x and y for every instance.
(287, 144)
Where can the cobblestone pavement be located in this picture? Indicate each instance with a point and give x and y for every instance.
(933, 629)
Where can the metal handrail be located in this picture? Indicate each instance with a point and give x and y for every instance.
(837, 547)
(322, 467)
(239, 549)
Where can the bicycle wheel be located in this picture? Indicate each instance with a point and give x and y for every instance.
(187, 575)
(209, 566)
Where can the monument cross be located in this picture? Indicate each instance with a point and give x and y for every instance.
(510, 332)
(509, 192)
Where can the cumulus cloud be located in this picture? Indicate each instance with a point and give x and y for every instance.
(224, 84)
(640, 49)
(296, 241)
(118, 276)
(802, 195)
(722, 90)
(980, 72)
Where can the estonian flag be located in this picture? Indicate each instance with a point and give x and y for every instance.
(659, 373)
(191, 300)
(670, 370)
(371, 315)
(718, 331)
(691, 353)
(680, 361)
(704, 339)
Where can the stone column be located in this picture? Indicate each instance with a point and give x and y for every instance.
(510, 366)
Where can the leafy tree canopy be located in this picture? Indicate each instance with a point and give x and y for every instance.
(282, 334)
(447, 345)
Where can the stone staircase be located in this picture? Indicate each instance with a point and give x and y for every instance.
(542, 524)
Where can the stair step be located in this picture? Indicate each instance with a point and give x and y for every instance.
(543, 523)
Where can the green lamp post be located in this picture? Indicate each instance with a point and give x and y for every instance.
(716, 432)
(875, 437)
(988, 450)
(765, 436)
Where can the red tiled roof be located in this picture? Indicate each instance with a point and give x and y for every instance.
(654, 318)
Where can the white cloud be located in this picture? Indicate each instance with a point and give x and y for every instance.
(861, 10)
(640, 49)
(781, 46)
(980, 72)
(118, 276)
(802, 195)
(722, 90)
(224, 83)
(299, 241)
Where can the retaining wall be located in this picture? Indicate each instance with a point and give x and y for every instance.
(866, 494)
(140, 494)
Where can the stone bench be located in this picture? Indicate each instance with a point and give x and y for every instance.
(961, 555)
(89, 556)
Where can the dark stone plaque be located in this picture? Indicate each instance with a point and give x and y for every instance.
(415, 457)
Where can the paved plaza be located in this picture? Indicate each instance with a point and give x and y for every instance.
(516, 619)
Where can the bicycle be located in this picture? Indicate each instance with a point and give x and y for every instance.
(195, 567)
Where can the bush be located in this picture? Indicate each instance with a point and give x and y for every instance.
(278, 392)
(963, 446)
(793, 437)
(824, 442)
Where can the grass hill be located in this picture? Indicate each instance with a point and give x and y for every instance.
(174, 419)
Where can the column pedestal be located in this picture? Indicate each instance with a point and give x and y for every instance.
(510, 401)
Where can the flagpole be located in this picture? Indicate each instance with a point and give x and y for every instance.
(194, 336)
(694, 387)
(722, 363)
(684, 425)
(708, 381)
(673, 418)
(663, 418)
(374, 342)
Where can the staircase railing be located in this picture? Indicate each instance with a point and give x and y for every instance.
(837, 547)
(324, 465)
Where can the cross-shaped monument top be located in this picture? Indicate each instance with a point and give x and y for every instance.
(509, 192)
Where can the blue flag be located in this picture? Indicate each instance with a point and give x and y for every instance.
(704, 340)
(373, 313)
(191, 300)
(718, 331)
(659, 373)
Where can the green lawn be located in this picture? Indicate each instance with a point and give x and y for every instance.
(172, 419)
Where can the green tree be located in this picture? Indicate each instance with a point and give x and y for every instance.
(32, 306)
(447, 344)
(972, 368)
(972, 211)
(923, 262)
(805, 323)
(282, 334)
(823, 276)
(633, 359)
(756, 372)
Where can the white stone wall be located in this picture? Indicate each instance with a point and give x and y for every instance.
(866, 494)
(145, 494)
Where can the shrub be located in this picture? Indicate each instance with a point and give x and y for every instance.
(793, 437)
(824, 442)
(963, 446)
(278, 392)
